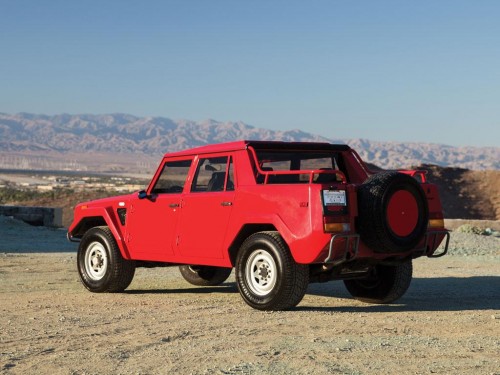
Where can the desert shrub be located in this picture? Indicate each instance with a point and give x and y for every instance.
(9, 194)
(470, 229)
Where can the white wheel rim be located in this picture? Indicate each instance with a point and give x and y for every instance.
(260, 272)
(96, 261)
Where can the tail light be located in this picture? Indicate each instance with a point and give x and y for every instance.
(436, 220)
(335, 211)
(336, 227)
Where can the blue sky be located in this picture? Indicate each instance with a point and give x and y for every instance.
(425, 71)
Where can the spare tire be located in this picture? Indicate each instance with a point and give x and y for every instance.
(392, 212)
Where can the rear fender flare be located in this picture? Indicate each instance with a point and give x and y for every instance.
(259, 224)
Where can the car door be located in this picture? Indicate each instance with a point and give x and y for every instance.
(206, 210)
(152, 217)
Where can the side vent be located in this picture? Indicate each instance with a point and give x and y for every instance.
(122, 214)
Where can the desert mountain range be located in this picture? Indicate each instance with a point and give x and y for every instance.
(468, 177)
(75, 137)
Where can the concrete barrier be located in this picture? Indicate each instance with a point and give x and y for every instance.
(38, 216)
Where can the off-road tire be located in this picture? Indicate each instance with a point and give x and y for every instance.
(267, 276)
(100, 264)
(205, 275)
(386, 284)
(373, 224)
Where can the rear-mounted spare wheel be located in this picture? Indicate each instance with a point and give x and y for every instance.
(393, 212)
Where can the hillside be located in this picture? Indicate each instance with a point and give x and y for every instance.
(123, 142)
(467, 194)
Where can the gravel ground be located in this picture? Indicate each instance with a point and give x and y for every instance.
(464, 244)
(447, 323)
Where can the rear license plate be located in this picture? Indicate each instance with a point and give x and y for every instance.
(334, 198)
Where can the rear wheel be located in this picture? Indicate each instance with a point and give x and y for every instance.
(385, 284)
(266, 274)
(205, 275)
(100, 264)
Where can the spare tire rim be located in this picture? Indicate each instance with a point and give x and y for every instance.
(260, 272)
(96, 261)
(402, 213)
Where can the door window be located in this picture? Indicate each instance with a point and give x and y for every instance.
(172, 177)
(213, 174)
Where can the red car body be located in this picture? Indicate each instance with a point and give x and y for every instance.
(203, 204)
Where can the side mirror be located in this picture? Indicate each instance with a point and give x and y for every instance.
(142, 194)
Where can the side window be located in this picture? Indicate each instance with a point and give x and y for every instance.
(172, 177)
(230, 180)
(211, 175)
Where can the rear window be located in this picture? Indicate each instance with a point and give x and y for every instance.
(282, 161)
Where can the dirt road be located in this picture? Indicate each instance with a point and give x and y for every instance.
(447, 323)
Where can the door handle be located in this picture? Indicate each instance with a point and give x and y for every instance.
(226, 204)
(174, 205)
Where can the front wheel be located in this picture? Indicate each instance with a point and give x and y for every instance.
(100, 263)
(266, 273)
(205, 275)
(385, 284)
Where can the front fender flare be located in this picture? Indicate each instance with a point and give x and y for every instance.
(86, 218)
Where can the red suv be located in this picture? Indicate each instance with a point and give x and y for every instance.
(283, 214)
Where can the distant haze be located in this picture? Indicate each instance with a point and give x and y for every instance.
(82, 137)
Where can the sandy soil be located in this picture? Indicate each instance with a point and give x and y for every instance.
(447, 323)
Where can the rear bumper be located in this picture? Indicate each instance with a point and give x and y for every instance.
(350, 248)
(432, 240)
(345, 247)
